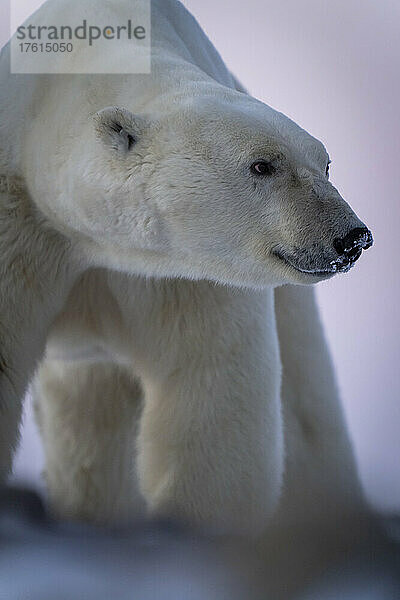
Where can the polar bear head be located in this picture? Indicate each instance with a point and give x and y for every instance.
(220, 187)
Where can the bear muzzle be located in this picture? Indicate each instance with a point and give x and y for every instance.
(326, 260)
(350, 247)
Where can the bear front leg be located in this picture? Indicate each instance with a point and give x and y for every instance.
(210, 444)
(10, 416)
(35, 276)
(321, 478)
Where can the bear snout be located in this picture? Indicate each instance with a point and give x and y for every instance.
(324, 259)
(349, 248)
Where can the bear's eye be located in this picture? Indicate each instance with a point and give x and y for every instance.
(262, 167)
(327, 168)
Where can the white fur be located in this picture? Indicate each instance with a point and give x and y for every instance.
(161, 261)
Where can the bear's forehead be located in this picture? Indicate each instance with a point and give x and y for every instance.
(237, 123)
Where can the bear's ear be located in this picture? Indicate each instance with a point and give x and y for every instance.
(118, 128)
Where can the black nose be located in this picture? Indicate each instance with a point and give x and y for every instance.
(351, 245)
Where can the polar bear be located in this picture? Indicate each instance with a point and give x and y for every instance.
(160, 238)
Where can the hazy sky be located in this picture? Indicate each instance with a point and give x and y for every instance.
(334, 68)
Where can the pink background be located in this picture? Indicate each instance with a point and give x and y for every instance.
(334, 68)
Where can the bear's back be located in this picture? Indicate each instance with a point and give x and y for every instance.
(175, 36)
